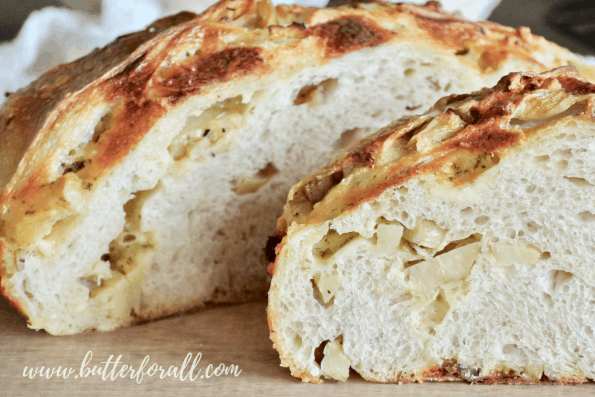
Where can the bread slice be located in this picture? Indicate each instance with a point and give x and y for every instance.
(457, 245)
(144, 179)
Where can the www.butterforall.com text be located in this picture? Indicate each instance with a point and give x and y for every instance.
(113, 368)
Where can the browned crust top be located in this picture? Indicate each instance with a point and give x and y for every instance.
(344, 35)
(230, 43)
(24, 113)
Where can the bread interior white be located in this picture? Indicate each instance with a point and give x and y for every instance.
(183, 220)
(494, 277)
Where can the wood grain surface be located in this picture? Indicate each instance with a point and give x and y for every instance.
(229, 335)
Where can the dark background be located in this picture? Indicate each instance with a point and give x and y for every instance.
(573, 28)
(14, 12)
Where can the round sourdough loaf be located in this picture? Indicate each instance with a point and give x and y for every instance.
(143, 180)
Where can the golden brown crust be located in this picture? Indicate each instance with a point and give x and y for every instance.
(24, 113)
(148, 81)
(339, 30)
(143, 75)
(390, 157)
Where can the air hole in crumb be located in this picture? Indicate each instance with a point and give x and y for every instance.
(562, 165)
(434, 83)
(560, 279)
(409, 72)
(467, 211)
(580, 182)
(319, 352)
(481, 220)
(74, 167)
(297, 341)
(102, 126)
(533, 227)
(586, 216)
(459, 243)
(317, 93)
(564, 153)
(412, 263)
(441, 309)
(547, 299)
(542, 159)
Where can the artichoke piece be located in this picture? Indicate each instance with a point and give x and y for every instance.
(335, 363)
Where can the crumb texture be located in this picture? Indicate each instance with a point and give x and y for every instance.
(486, 280)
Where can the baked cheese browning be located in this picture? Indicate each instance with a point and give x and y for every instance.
(468, 40)
(221, 66)
(458, 140)
(349, 34)
(129, 125)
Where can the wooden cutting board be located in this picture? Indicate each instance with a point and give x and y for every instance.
(227, 335)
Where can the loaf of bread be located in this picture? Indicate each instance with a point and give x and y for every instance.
(144, 179)
(454, 245)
